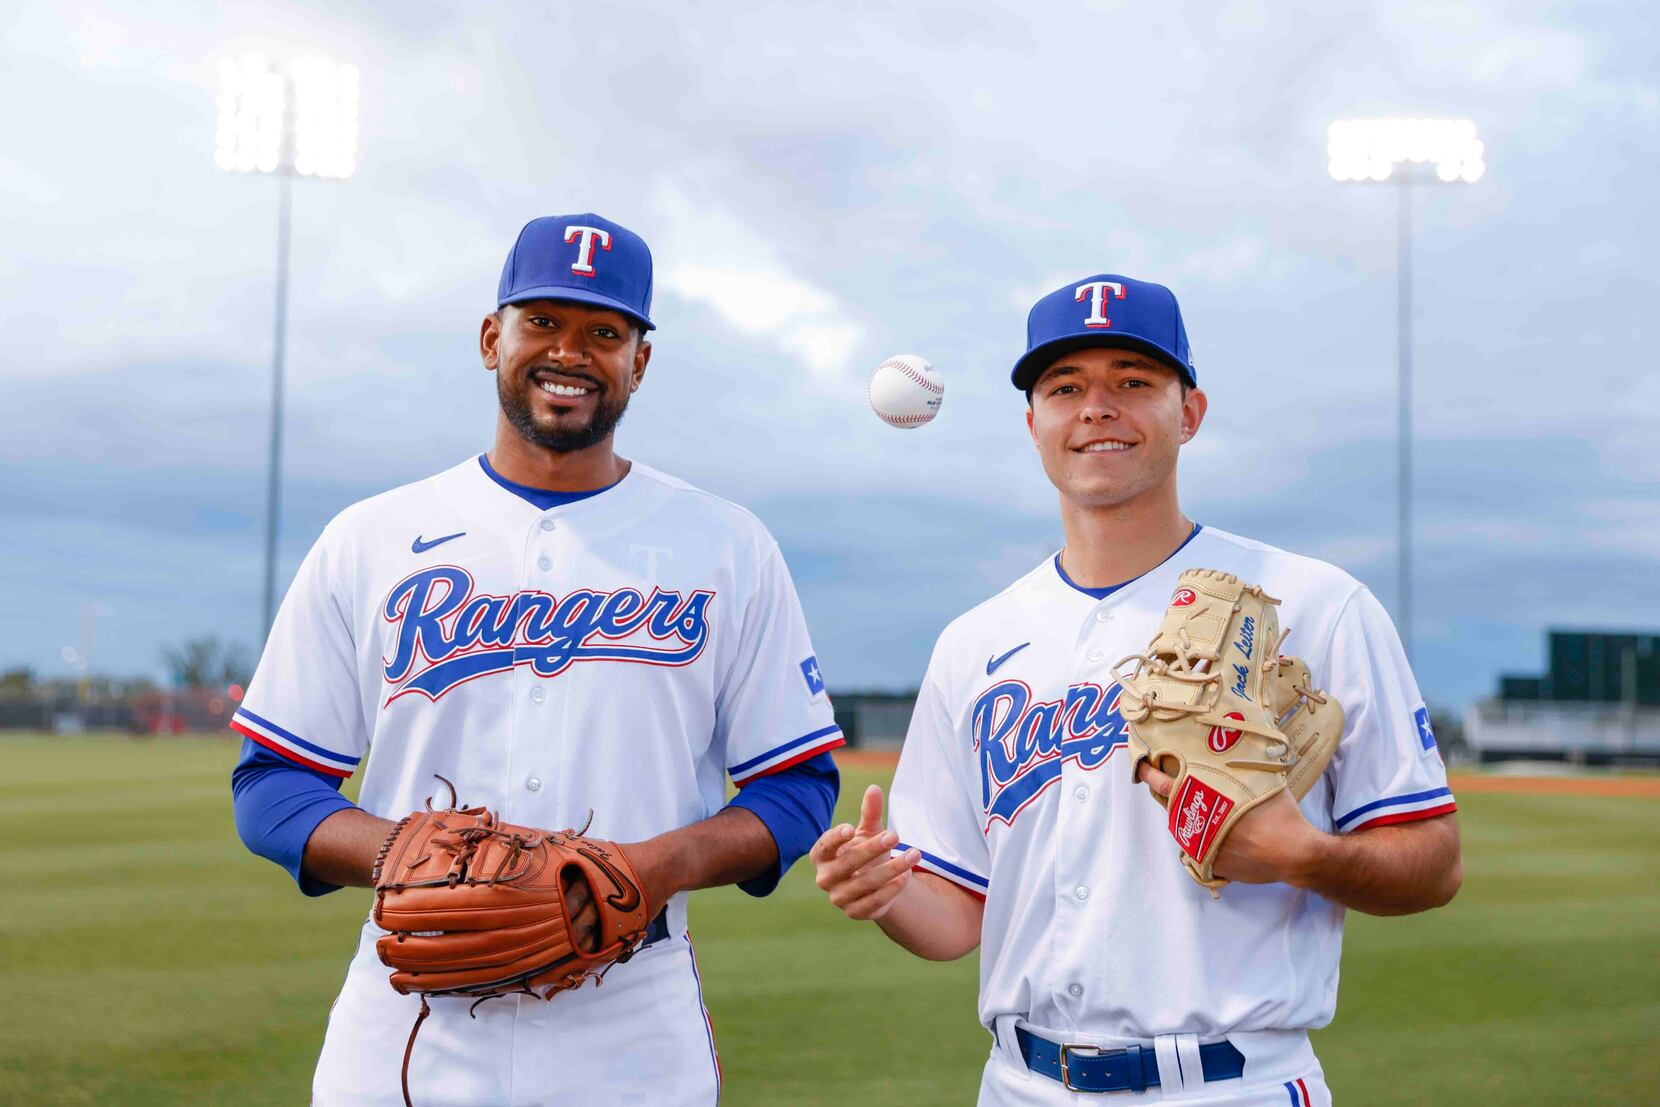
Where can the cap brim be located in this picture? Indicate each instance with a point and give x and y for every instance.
(577, 296)
(1039, 358)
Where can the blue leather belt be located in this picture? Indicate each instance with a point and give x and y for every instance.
(1085, 1068)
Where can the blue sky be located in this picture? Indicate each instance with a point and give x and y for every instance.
(824, 186)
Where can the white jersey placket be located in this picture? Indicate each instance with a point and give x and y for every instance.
(534, 752)
(1081, 841)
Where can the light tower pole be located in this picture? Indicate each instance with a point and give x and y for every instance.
(1405, 152)
(297, 120)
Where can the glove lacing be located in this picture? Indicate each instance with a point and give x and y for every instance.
(1187, 665)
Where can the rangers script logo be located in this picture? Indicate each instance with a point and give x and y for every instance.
(444, 635)
(1023, 745)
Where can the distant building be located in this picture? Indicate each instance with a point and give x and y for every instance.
(1599, 703)
(874, 720)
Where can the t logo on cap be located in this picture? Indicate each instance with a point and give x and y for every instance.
(1149, 321)
(584, 265)
(1096, 291)
(553, 259)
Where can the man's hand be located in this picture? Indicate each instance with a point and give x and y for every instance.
(854, 866)
(1389, 870)
(584, 916)
(1274, 843)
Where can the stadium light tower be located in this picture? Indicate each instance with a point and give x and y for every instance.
(1406, 153)
(294, 120)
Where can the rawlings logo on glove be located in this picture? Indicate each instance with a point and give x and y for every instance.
(1212, 704)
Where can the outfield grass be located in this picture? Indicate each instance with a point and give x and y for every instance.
(145, 958)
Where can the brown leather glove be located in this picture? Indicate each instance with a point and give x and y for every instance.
(480, 908)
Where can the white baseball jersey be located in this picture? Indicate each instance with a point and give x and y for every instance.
(623, 654)
(1015, 784)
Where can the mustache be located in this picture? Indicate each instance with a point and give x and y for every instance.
(559, 375)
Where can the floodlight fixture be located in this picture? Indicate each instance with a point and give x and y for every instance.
(1404, 152)
(299, 119)
(1383, 149)
(296, 119)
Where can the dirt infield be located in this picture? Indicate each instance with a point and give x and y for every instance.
(1645, 786)
(1587, 785)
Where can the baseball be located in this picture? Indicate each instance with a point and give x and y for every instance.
(906, 391)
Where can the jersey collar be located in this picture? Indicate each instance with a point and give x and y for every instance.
(540, 498)
(1103, 593)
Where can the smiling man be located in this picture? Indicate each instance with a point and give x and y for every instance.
(564, 634)
(1105, 972)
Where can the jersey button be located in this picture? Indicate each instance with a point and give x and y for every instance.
(1081, 891)
(1076, 990)
(544, 563)
(537, 694)
(533, 785)
(1095, 655)
(1082, 792)
(1101, 617)
(547, 524)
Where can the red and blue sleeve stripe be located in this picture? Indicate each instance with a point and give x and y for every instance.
(292, 746)
(956, 874)
(1298, 1091)
(793, 752)
(1398, 809)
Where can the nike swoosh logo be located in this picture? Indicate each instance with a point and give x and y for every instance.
(627, 896)
(997, 662)
(419, 546)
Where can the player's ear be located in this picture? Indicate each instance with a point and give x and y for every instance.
(489, 335)
(1194, 406)
(642, 354)
(1029, 428)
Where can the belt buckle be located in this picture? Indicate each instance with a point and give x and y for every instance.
(1067, 1049)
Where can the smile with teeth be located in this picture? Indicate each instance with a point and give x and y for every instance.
(555, 389)
(1104, 447)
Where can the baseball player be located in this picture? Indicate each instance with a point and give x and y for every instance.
(1106, 973)
(558, 631)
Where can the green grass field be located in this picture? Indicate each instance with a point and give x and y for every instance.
(145, 958)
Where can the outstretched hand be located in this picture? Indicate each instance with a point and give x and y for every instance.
(854, 865)
(1273, 843)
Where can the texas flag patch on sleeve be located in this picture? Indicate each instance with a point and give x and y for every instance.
(811, 674)
(1426, 734)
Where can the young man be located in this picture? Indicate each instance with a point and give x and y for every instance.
(1016, 825)
(558, 631)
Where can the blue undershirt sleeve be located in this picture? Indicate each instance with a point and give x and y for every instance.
(796, 805)
(278, 804)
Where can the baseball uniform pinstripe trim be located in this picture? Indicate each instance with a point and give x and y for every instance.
(290, 745)
(708, 1019)
(1399, 809)
(792, 752)
(939, 866)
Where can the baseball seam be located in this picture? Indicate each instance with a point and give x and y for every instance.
(911, 372)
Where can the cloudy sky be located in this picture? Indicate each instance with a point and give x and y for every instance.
(824, 185)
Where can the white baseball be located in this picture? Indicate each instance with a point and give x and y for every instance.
(906, 391)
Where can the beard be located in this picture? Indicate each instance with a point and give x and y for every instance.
(561, 439)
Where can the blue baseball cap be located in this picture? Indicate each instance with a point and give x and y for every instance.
(585, 258)
(1105, 310)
